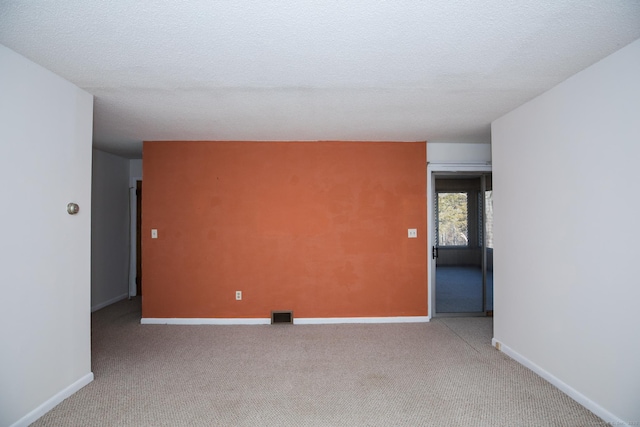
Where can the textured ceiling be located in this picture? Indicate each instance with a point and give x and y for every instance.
(412, 70)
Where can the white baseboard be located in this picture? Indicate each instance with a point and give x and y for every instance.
(109, 302)
(205, 321)
(51, 403)
(336, 320)
(296, 321)
(561, 385)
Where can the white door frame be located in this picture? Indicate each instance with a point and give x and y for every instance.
(432, 170)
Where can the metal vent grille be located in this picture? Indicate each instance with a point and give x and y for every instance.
(281, 317)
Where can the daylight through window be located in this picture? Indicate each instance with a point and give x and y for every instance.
(453, 217)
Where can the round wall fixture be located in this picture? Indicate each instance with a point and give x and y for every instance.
(73, 208)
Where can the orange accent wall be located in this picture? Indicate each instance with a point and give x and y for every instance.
(319, 228)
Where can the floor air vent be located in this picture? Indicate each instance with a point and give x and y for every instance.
(281, 317)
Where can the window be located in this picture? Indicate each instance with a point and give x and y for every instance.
(488, 200)
(453, 219)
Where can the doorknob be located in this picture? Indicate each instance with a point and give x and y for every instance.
(434, 252)
(73, 208)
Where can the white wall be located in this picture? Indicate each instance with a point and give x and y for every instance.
(566, 233)
(109, 229)
(461, 153)
(45, 163)
(135, 168)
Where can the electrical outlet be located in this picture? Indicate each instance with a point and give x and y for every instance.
(238, 295)
(413, 233)
(154, 233)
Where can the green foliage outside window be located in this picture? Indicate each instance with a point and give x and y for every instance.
(453, 219)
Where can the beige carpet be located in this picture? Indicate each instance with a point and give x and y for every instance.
(443, 373)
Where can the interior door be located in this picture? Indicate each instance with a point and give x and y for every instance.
(459, 246)
(138, 238)
(488, 244)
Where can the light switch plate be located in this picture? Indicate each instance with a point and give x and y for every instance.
(154, 233)
(413, 233)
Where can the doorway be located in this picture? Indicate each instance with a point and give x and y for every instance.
(138, 237)
(461, 276)
(135, 223)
